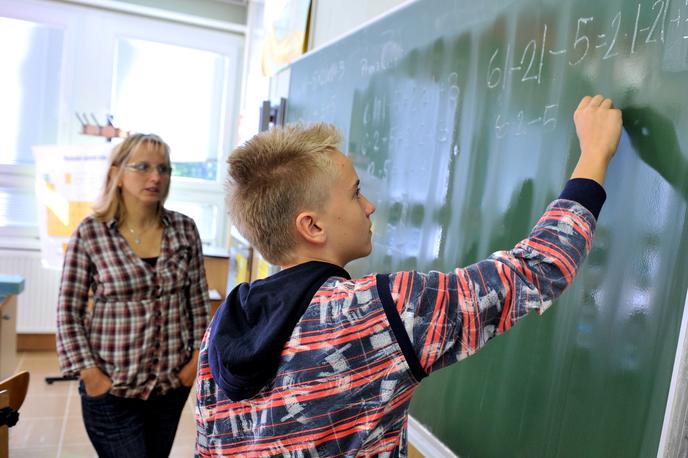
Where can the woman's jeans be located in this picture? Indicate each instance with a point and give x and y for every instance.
(132, 428)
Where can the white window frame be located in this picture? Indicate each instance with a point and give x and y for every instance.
(112, 20)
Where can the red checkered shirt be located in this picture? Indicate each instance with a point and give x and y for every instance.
(145, 321)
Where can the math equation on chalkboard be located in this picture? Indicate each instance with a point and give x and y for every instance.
(653, 23)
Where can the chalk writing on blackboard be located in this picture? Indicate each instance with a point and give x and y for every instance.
(519, 125)
(624, 32)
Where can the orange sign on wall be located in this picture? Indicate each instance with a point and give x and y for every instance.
(286, 33)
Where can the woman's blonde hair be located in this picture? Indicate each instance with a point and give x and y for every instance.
(110, 203)
(274, 176)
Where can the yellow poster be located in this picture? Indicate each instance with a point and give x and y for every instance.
(286, 33)
(68, 181)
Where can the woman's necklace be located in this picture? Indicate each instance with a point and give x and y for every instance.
(137, 238)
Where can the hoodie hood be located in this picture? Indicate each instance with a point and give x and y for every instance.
(255, 321)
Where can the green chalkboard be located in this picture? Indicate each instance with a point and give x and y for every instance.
(458, 115)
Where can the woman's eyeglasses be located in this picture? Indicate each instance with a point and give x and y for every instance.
(145, 168)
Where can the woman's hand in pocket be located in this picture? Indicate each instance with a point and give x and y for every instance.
(96, 382)
(187, 375)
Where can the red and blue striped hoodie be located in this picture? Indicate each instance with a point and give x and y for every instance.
(311, 363)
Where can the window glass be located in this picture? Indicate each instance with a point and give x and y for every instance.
(204, 215)
(17, 208)
(177, 93)
(177, 80)
(31, 56)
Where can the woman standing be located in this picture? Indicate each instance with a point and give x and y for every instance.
(136, 349)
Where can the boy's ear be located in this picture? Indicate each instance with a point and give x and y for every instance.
(309, 228)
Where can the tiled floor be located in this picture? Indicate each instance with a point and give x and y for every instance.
(50, 420)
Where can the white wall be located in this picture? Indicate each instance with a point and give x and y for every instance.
(210, 9)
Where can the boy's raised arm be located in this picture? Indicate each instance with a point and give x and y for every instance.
(448, 317)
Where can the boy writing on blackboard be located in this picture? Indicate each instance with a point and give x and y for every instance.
(309, 362)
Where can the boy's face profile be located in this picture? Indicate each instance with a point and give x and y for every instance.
(347, 214)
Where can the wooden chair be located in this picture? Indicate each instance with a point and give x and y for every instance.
(12, 394)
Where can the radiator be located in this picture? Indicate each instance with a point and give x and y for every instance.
(37, 304)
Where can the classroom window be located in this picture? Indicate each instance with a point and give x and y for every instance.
(29, 87)
(17, 208)
(199, 212)
(180, 81)
(177, 93)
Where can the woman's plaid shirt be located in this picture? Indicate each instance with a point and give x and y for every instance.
(145, 321)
